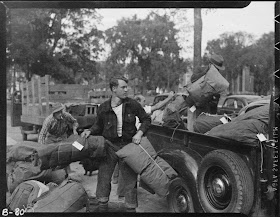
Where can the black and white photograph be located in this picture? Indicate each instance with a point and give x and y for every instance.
(132, 107)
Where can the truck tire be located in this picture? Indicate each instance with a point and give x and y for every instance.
(224, 183)
(179, 197)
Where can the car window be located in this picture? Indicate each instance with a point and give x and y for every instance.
(240, 104)
(229, 103)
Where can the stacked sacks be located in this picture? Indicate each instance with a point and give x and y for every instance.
(69, 196)
(245, 127)
(153, 170)
(22, 165)
(34, 196)
(30, 160)
(199, 93)
(25, 194)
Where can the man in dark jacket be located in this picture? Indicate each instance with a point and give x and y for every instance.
(116, 123)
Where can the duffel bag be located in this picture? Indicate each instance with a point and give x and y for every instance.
(135, 156)
(22, 151)
(206, 122)
(176, 105)
(25, 193)
(69, 196)
(69, 151)
(243, 131)
(18, 172)
(216, 80)
(203, 89)
(158, 175)
(153, 170)
(21, 172)
(261, 113)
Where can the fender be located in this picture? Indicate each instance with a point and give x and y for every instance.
(186, 163)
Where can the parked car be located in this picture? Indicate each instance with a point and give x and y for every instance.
(234, 103)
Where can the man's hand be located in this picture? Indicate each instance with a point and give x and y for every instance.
(75, 131)
(137, 137)
(86, 133)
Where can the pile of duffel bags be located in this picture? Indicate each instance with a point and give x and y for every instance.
(243, 128)
(199, 93)
(31, 165)
(34, 196)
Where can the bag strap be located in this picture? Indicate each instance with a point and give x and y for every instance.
(152, 158)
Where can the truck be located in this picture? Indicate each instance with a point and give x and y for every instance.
(218, 175)
(33, 103)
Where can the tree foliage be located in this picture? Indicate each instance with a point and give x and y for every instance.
(240, 49)
(148, 46)
(260, 59)
(54, 42)
(231, 46)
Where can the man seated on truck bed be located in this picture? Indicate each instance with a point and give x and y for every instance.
(56, 125)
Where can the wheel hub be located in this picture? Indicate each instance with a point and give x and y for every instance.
(182, 202)
(218, 187)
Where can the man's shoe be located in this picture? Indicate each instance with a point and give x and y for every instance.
(121, 198)
(103, 207)
(130, 210)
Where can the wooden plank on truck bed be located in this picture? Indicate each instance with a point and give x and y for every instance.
(37, 120)
(69, 92)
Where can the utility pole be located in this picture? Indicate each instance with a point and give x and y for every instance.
(197, 39)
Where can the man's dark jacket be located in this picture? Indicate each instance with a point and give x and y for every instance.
(106, 122)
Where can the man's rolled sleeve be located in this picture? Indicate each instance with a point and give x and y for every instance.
(45, 128)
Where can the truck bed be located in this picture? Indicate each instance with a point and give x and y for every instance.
(163, 137)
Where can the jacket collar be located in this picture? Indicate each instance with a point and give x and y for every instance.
(108, 107)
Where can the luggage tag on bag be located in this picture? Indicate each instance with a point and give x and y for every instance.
(261, 137)
(193, 108)
(78, 145)
(224, 120)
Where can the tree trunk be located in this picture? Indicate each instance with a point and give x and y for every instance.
(145, 66)
(197, 39)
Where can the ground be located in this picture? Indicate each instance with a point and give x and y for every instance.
(147, 202)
